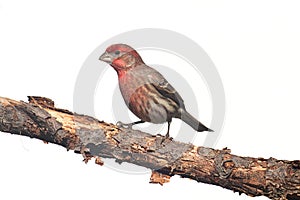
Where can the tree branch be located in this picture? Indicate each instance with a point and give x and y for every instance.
(276, 179)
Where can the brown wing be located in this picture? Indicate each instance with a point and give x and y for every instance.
(165, 88)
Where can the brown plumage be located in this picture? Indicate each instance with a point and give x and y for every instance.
(145, 91)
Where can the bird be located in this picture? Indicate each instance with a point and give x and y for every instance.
(145, 91)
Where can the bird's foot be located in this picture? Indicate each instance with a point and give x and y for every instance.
(129, 125)
(124, 125)
(166, 139)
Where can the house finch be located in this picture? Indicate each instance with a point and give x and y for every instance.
(145, 91)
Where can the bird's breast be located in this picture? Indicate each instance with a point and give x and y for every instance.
(129, 85)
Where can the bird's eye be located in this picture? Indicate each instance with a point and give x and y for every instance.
(117, 52)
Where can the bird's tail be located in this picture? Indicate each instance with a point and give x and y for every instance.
(193, 122)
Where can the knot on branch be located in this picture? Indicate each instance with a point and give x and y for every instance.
(224, 164)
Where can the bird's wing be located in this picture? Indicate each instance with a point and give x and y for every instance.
(165, 88)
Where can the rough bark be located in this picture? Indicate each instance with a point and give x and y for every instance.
(276, 179)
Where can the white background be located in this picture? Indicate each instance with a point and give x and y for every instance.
(255, 46)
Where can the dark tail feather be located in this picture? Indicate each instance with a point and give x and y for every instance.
(193, 122)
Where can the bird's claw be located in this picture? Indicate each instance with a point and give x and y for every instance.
(165, 138)
(123, 125)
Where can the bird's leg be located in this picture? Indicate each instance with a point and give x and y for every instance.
(168, 132)
(167, 137)
(129, 125)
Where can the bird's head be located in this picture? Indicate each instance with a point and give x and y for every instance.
(121, 57)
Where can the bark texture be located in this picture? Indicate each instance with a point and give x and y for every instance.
(276, 179)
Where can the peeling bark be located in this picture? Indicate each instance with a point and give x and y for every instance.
(276, 179)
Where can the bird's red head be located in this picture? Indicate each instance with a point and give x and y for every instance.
(121, 57)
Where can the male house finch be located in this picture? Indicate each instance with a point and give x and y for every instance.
(145, 91)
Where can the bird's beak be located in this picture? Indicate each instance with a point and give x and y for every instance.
(106, 57)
